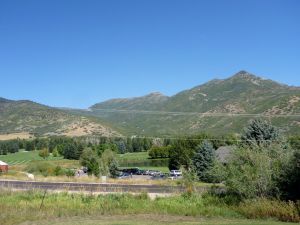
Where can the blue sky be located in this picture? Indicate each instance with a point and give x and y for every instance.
(76, 53)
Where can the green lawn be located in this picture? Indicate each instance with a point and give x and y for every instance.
(133, 156)
(140, 160)
(160, 168)
(23, 157)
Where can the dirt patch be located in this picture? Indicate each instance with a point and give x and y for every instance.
(23, 135)
(86, 127)
(289, 107)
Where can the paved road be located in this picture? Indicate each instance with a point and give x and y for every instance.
(93, 187)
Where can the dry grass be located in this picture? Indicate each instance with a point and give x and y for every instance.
(22, 135)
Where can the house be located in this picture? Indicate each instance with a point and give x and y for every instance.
(3, 166)
(223, 153)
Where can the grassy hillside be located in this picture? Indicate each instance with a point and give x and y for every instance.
(159, 115)
(242, 93)
(30, 117)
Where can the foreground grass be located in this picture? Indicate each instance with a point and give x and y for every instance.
(29, 206)
(152, 220)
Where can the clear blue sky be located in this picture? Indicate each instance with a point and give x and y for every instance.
(76, 53)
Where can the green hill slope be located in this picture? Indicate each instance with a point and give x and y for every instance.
(242, 93)
(27, 116)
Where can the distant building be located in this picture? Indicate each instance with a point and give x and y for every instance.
(223, 153)
(3, 167)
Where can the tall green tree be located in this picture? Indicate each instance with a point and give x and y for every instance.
(290, 179)
(113, 168)
(203, 161)
(180, 155)
(90, 159)
(108, 163)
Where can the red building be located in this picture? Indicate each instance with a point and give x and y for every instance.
(3, 167)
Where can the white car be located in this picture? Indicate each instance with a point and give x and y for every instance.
(175, 173)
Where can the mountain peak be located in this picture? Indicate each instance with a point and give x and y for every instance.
(244, 74)
(154, 94)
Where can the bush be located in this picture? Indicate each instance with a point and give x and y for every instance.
(44, 153)
(47, 169)
(264, 208)
(55, 153)
(69, 173)
(160, 152)
(43, 168)
(252, 173)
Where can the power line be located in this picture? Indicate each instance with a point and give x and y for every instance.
(208, 114)
(192, 139)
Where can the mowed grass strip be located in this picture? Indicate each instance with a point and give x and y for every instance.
(23, 157)
(133, 156)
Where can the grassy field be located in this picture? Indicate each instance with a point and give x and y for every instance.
(141, 160)
(23, 157)
(20, 159)
(31, 207)
(133, 156)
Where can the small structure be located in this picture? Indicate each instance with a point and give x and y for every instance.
(3, 167)
(223, 153)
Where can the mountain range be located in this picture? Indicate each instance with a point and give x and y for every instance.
(217, 107)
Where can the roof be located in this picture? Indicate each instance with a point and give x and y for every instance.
(223, 153)
(3, 163)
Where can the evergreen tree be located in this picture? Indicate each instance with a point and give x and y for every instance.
(260, 133)
(203, 161)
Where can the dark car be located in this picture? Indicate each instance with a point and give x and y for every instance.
(160, 176)
(141, 172)
(133, 171)
(123, 175)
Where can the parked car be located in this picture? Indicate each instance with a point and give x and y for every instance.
(123, 175)
(133, 171)
(159, 176)
(154, 172)
(175, 173)
(141, 172)
(174, 177)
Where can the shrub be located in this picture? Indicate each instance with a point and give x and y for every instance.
(47, 169)
(44, 153)
(252, 173)
(160, 152)
(264, 208)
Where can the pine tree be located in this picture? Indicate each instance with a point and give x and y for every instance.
(260, 133)
(203, 161)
